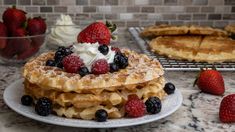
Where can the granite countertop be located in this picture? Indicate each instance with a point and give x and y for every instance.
(199, 111)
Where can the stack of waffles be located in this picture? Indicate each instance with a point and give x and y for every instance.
(193, 43)
(74, 96)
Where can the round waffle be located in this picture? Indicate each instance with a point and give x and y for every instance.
(139, 70)
(78, 100)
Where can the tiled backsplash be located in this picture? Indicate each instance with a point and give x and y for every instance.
(127, 13)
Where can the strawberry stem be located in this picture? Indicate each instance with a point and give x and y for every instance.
(112, 27)
(14, 6)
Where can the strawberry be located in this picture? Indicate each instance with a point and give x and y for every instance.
(37, 41)
(13, 18)
(227, 109)
(20, 44)
(19, 32)
(97, 32)
(3, 33)
(36, 26)
(210, 81)
(28, 53)
(8, 51)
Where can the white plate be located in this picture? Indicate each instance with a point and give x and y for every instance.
(13, 93)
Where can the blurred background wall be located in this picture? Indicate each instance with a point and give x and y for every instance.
(132, 12)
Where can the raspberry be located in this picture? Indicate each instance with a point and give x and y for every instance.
(116, 49)
(72, 63)
(134, 107)
(100, 66)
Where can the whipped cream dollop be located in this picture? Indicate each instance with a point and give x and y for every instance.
(89, 53)
(64, 33)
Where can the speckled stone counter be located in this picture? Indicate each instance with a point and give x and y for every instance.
(199, 111)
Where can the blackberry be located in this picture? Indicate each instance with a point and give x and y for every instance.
(59, 64)
(121, 60)
(61, 48)
(169, 88)
(83, 71)
(43, 106)
(101, 115)
(104, 49)
(26, 100)
(67, 51)
(58, 56)
(153, 105)
(113, 67)
(50, 63)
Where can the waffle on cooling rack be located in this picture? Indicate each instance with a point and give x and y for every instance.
(195, 48)
(171, 30)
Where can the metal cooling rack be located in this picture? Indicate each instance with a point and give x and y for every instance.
(176, 65)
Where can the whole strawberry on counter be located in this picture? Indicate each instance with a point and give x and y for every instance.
(227, 109)
(97, 32)
(210, 81)
(3, 33)
(13, 18)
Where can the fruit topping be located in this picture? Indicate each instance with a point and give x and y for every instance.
(169, 88)
(19, 32)
(121, 60)
(83, 71)
(104, 49)
(100, 66)
(50, 63)
(227, 109)
(153, 105)
(101, 115)
(210, 81)
(97, 32)
(26, 100)
(134, 107)
(72, 63)
(36, 26)
(113, 67)
(43, 106)
(13, 18)
(116, 49)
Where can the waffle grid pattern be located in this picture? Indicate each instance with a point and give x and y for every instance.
(172, 64)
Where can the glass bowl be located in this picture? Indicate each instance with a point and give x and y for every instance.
(17, 50)
(62, 35)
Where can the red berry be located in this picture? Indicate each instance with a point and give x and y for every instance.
(96, 32)
(36, 26)
(134, 106)
(133, 96)
(211, 81)
(116, 49)
(72, 64)
(13, 18)
(100, 67)
(227, 109)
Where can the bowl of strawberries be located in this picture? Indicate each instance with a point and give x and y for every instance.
(20, 37)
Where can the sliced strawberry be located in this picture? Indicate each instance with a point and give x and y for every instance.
(30, 52)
